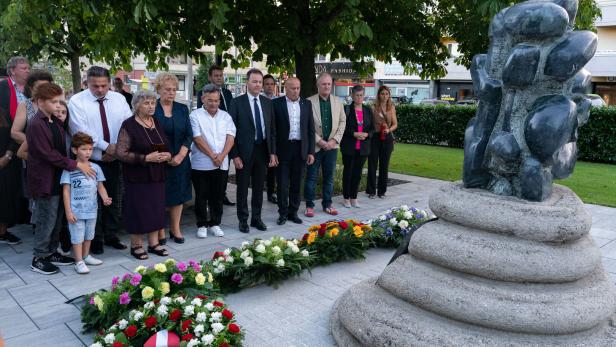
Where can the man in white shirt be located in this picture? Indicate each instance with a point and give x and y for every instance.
(213, 137)
(100, 112)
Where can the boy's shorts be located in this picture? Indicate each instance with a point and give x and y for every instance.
(82, 230)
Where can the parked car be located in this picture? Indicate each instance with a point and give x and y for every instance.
(596, 100)
(434, 102)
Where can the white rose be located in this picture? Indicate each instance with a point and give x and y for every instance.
(109, 338)
(305, 253)
(393, 221)
(260, 248)
(280, 263)
(196, 302)
(294, 249)
(209, 306)
(408, 215)
(192, 343)
(138, 316)
(382, 217)
(207, 339)
(165, 300)
(403, 224)
(201, 317)
(199, 329)
(227, 251)
(248, 261)
(216, 316)
(162, 310)
(122, 324)
(267, 242)
(217, 327)
(189, 310)
(276, 250)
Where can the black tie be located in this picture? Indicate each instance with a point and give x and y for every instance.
(258, 123)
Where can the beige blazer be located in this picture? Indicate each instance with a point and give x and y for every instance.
(338, 120)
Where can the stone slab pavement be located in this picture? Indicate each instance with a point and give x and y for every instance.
(33, 309)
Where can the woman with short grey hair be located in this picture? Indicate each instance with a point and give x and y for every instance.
(143, 150)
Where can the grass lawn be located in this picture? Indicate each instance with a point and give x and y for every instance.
(593, 183)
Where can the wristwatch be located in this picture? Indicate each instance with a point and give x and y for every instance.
(10, 157)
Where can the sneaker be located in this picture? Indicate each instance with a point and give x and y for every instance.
(216, 231)
(62, 252)
(202, 232)
(82, 268)
(58, 259)
(9, 239)
(346, 203)
(90, 260)
(43, 266)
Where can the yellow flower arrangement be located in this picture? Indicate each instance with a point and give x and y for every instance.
(99, 303)
(311, 237)
(334, 232)
(357, 231)
(313, 228)
(210, 278)
(164, 288)
(147, 293)
(200, 279)
(160, 267)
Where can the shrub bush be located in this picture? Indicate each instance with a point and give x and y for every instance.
(444, 126)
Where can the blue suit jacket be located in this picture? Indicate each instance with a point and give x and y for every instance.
(182, 131)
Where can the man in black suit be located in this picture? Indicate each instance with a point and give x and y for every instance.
(254, 146)
(294, 128)
(216, 77)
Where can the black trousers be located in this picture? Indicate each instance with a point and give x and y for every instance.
(272, 176)
(351, 174)
(209, 193)
(108, 220)
(380, 153)
(253, 172)
(290, 172)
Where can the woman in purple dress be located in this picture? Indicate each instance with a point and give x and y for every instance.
(143, 149)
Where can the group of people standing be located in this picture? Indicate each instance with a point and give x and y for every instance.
(77, 157)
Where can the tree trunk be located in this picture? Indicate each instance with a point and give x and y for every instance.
(304, 69)
(218, 59)
(75, 72)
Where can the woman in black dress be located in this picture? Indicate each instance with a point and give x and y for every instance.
(10, 176)
(143, 149)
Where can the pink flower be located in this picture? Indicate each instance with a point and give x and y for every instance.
(135, 280)
(177, 278)
(114, 282)
(91, 300)
(182, 267)
(124, 298)
(125, 277)
(196, 267)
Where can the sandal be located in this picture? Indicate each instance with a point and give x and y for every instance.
(331, 210)
(158, 251)
(162, 241)
(139, 255)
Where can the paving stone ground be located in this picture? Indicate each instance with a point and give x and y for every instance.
(33, 309)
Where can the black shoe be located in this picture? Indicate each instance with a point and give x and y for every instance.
(9, 239)
(96, 248)
(295, 219)
(177, 239)
(117, 244)
(272, 198)
(58, 259)
(257, 223)
(371, 196)
(244, 227)
(43, 266)
(281, 220)
(227, 202)
(382, 196)
(162, 242)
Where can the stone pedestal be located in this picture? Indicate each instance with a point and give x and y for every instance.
(492, 271)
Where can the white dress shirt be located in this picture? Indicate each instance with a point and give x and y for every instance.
(294, 119)
(85, 116)
(214, 131)
(252, 109)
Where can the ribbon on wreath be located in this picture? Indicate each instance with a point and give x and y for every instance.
(163, 338)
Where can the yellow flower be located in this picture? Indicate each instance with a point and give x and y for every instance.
(99, 303)
(170, 262)
(200, 279)
(160, 268)
(358, 232)
(147, 293)
(164, 288)
(140, 269)
(311, 237)
(210, 278)
(331, 224)
(313, 228)
(334, 232)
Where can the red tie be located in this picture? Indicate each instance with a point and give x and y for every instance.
(101, 108)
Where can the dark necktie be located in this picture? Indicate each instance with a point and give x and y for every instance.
(101, 108)
(258, 123)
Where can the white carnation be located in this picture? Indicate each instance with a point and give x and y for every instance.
(201, 317)
(267, 242)
(109, 338)
(305, 253)
(403, 224)
(404, 207)
(189, 310)
(245, 244)
(165, 300)
(260, 248)
(217, 327)
(276, 250)
(216, 316)
(408, 215)
(207, 339)
(138, 316)
(96, 344)
(294, 249)
(162, 310)
(248, 261)
(227, 251)
(209, 306)
(132, 313)
(382, 217)
(245, 254)
(196, 302)
(290, 244)
(280, 263)
(192, 343)
(122, 324)
(180, 300)
(230, 259)
(199, 329)
(149, 305)
(393, 221)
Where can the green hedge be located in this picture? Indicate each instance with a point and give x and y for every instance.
(444, 126)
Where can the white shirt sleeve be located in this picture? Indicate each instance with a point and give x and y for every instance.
(194, 123)
(78, 121)
(230, 126)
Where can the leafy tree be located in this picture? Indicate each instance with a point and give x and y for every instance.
(202, 72)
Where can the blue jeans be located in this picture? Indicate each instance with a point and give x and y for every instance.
(82, 230)
(326, 159)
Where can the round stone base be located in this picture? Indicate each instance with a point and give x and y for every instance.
(368, 315)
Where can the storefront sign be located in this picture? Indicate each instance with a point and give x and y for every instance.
(339, 70)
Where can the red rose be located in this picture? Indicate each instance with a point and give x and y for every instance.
(228, 314)
(185, 325)
(218, 254)
(218, 303)
(321, 232)
(224, 344)
(117, 344)
(130, 331)
(234, 328)
(323, 226)
(187, 337)
(343, 225)
(202, 297)
(305, 237)
(101, 332)
(175, 314)
(150, 322)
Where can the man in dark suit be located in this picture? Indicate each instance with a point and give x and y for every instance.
(294, 128)
(216, 77)
(253, 149)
